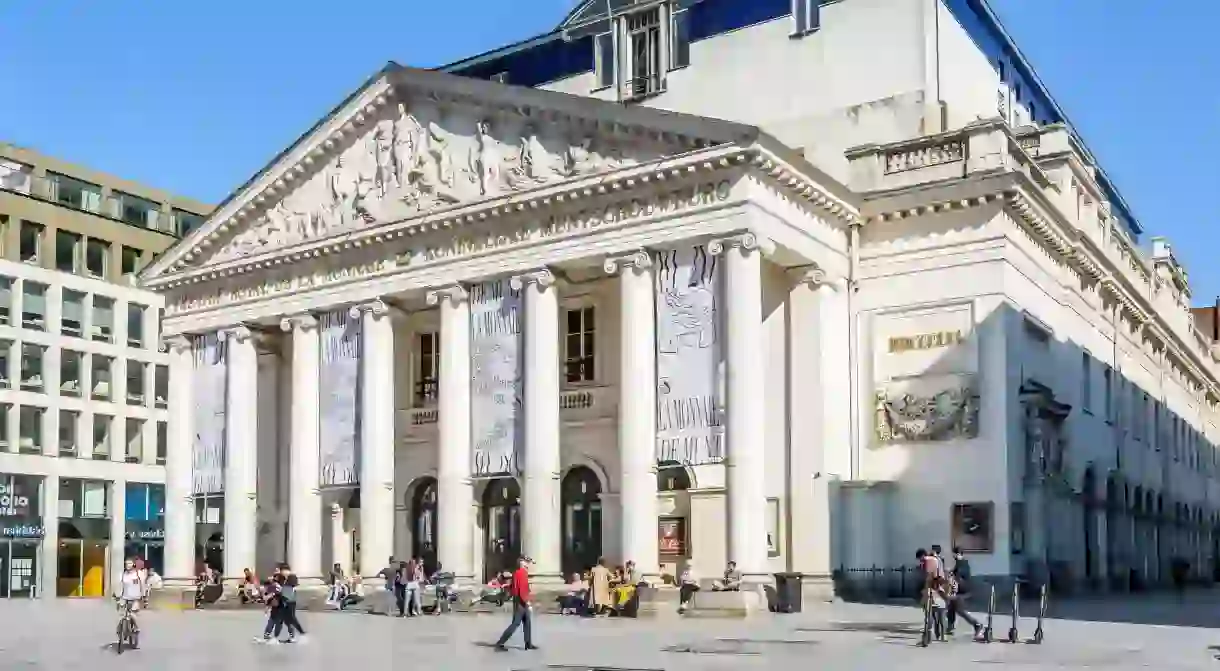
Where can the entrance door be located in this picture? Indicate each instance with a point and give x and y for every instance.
(423, 524)
(501, 522)
(20, 572)
(582, 520)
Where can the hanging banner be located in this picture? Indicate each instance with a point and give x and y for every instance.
(210, 377)
(338, 399)
(690, 430)
(495, 378)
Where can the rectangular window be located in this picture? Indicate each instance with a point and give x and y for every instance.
(97, 257)
(185, 222)
(162, 442)
(136, 211)
(806, 17)
(31, 367)
(1086, 382)
(644, 49)
(1108, 390)
(5, 408)
(6, 299)
(33, 305)
(67, 251)
(603, 52)
(135, 325)
(428, 369)
(102, 329)
(31, 241)
(101, 436)
(6, 349)
(72, 313)
(83, 498)
(135, 441)
(579, 354)
(68, 433)
(70, 369)
(15, 176)
(135, 383)
(99, 372)
(161, 387)
(30, 428)
(130, 260)
(75, 193)
(679, 39)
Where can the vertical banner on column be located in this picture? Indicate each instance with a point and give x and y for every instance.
(495, 378)
(210, 377)
(689, 427)
(338, 390)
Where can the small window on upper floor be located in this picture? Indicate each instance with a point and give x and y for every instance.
(184, 222)
(603, 59)
(75, 193)
(31, 241)
(1086, 382)
(135, 324)
(136, 211)
(427, 369)
(67, 251)
(644, 43)
(16, 176)
(130, 259)
(6, 299)
(97, 257)
(806, 17)
(72, 313)
(102, 328)
(579, 339)
(679, 39)
(33, 305)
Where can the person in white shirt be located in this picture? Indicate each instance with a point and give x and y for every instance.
(132, 588)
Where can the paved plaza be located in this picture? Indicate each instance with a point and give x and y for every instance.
(69, 635)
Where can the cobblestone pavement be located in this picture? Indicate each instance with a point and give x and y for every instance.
(70, 635)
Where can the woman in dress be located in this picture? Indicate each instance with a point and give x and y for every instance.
(601, 587)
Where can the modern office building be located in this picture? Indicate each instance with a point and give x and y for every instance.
(798, 284)
(83, 382)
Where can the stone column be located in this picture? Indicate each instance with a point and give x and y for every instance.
(304, 497)
(180, 438)
(455, 489)
(376, 437)
(118, 534)
(744, 370)
(48, 560)
(540, 493)
(637, 430)
(241, 453)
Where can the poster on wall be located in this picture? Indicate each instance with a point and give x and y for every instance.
(690, 430)
(495, 378)
(338, 402)
(972, 526)
(671, 536)
(210, 376)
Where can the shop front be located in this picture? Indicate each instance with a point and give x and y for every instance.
(84, 538)
(145, 524)
(21, 533)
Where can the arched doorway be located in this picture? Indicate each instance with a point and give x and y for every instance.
(424, 526)
(580, 493)
(502, 526)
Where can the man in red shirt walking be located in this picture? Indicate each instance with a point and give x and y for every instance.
(522, 607)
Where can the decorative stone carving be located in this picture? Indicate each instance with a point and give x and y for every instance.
(425, 157)
(945, 415)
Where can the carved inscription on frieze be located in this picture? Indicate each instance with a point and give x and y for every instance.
(279, 286)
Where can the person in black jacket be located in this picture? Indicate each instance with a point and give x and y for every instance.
(957, 600)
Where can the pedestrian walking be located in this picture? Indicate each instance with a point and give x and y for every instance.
(523, 607)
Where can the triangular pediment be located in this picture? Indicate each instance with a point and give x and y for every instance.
(415, 142)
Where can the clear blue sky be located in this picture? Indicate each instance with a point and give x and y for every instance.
(195, 97)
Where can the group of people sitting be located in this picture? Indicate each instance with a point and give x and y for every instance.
(602, 592)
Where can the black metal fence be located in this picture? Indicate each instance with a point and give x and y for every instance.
(877, 583)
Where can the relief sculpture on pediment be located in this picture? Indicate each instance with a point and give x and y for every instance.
(423, 157)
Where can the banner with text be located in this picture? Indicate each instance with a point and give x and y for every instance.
(495, 378)
(689, 400)
(210, 395)
(338, 399)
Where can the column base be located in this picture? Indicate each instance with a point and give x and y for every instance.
(818, 588)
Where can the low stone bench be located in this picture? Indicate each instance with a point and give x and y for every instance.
(706, 603)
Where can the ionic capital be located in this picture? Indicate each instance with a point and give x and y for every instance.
(177, 344)
(638, 260)
(239, 334)
(301, 322)
(748, 241)
(813, 276)
(455, 294)
(377, 308)
(543, 278)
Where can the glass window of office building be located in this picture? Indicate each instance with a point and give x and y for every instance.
(145, 519)
(21, 532)
(84, 537)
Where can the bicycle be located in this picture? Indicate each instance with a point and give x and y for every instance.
(127, 631)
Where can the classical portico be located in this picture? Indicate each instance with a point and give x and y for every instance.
(483, 321)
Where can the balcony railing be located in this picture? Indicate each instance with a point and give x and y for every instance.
(85, 200)
(574, 404)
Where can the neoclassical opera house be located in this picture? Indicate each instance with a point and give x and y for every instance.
(464, 321)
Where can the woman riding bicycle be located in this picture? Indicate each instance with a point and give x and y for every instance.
(131, 589)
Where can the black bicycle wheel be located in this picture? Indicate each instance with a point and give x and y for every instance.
(123, 634)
